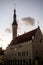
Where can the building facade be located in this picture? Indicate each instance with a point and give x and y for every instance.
(25, 49)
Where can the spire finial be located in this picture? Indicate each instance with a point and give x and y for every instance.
(14, 8)
(14, 5)
(14, 16)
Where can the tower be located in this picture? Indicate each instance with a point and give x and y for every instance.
(14, 25)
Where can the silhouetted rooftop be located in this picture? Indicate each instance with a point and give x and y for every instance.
(1, 51)
(24, 37)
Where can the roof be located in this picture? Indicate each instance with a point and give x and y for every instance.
(1, 51)
(24, 37)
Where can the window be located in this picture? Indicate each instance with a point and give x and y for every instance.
(20, 61)
(36, 52)
(27, 53)
(40, 40)
(15, 62)
(19, 54)
(23, 53)
(20, 45)
(29, 61)
(23, 61)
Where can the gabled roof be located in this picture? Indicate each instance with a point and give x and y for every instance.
(24, 37)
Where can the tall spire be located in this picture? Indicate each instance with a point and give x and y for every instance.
(14, 17)
(14, 25)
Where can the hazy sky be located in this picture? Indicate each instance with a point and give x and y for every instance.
(25, 10)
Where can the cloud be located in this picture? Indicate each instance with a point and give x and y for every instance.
(42, 31)
(28, 20)
(8, 30)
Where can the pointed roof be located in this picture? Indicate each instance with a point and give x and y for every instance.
(24, 37)
(14, 18)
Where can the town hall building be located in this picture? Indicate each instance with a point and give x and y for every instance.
(24, 49)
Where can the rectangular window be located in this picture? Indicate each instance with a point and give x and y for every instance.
(29, 61)
(27, 53)
(19, 54)
(23, 61)
(23, 53)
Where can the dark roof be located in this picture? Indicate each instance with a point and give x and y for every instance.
(1, 51)
(24, 37)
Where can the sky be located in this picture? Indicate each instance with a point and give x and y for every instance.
(29, 16)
